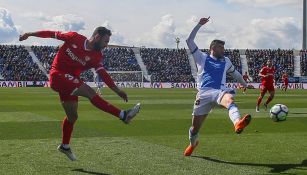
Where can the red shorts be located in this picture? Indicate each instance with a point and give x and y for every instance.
(265, 88)
(65, 84)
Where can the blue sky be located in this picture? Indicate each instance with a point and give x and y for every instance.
(155, 23)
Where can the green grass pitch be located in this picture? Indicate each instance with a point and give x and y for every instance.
(30, 130)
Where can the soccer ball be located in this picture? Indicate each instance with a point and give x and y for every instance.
(279, 112)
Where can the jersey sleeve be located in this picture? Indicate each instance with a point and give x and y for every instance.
(55, 34)
(64, 36)
(230, 69)
(229, 66)
(101, 71)
(197, 54)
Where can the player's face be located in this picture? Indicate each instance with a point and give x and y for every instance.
(101, 42)
(218, 51)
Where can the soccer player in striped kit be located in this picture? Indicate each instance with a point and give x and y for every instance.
(211, 80)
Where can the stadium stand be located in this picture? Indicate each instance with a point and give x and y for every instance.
(163, 64)
(303, 61)
(167, 65)
(283, 60)
(16, 64)
(45, 54)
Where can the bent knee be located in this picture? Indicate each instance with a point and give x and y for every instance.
(85, 91)
(227, 100)
(72, 118)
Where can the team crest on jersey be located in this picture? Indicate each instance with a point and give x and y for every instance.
(74, 46)
(87, 58)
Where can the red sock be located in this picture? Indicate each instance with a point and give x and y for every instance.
(269, 100)
(105, 106)
(259, 101)
(67, 129)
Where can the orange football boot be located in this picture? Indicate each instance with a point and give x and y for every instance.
(239, 127)
(189, 150)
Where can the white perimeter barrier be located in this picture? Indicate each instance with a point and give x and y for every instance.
(145, 85)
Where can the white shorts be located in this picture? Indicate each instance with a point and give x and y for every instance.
(207, 100)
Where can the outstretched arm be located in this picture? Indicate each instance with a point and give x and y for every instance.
(235, 74)
(108, 80)
(190, 41)
(41, 34)
(47, 34)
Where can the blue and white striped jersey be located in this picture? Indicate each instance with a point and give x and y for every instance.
(211, 75)
(211, 71)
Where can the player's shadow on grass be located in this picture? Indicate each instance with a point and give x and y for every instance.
(275, 168)
(81, 170)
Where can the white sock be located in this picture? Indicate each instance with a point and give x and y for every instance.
(66, 146)
(193, 138)
(122, 114)
(234, 113)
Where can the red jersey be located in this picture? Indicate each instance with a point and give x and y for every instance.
(245, 77)
(267, 81)
(285, 78)
(73, 57)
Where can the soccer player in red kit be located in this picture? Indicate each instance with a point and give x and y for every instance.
(285, 81)
(267, 84)
(246, 79)
(76, 55)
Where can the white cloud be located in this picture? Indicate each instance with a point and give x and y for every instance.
(69, 22)
(162, 35)
(231, 23)
(269, 33)
(204, 36)
(266, 3)
(165, 32)
(117, 38)
(37, 15)
(209, 28)
(8, 30)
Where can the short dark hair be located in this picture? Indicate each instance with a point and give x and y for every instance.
(102, 31)
(215, 42)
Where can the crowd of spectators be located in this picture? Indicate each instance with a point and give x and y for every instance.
(234, 56)
(115, 59)
(164, 65)
(167, 65)
(303, 61)
(45, 55)
(120, 59)
(127, 77)
(87, 75)
(283, 60)
(17, 65)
